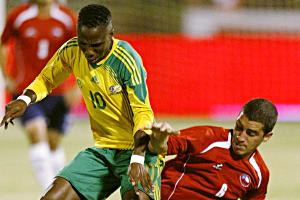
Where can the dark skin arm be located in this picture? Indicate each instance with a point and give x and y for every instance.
(156, 143)
(136, 171)
(16, 108)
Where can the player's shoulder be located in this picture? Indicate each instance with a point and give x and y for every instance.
(219, 133)
(126, 46)
(66, 9)
(19, 9)
(258, 160)
(125, 51)
(63, 15)
(73, 40)
(69, 45)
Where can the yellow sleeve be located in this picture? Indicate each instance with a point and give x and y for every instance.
(142, 111)
(53, 74)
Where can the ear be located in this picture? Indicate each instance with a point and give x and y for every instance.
(267, 136)
(112, 31)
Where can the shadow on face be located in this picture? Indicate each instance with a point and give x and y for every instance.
(95, 42)
(247, 136)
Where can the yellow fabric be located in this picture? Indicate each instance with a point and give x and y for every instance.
(115, 110)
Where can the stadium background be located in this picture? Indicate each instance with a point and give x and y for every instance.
(204, 60)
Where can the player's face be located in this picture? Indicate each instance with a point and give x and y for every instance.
(247, 136)
(95, 42)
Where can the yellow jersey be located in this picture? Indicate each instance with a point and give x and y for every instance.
(114, 90)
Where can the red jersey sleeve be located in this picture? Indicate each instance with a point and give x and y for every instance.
(195, 139)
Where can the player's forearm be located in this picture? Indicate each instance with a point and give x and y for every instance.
(142, 112)
(142, 119)
(31, 94)
(141, 140)
(158, 146)
(40, 88)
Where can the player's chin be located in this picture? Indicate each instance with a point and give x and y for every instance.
(92, 61)
(239, 150)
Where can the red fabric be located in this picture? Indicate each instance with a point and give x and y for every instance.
(32, 44)
(194, 174)
(192, 75)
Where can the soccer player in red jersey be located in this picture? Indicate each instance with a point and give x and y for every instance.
(32, 34)
(214, 162)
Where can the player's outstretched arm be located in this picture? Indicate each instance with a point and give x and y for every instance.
(159, 137)
(17, 107)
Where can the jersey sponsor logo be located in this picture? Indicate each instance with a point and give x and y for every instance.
(245, 180)
(218, 166)
(114, 89)
(94, 79)
(79, 83)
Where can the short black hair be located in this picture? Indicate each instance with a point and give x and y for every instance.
(94, 15)
(263, 111)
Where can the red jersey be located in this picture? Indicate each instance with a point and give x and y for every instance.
(205, 169)
(34, 40)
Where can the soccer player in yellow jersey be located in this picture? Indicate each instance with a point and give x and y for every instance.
(112, 80)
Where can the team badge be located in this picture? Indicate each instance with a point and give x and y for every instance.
(218, 166)
(95, 79)
(245, 180)
(79, 83)
(114, 89)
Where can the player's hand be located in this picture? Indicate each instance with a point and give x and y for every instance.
(159, 137)
(161, 130)
(13, 110)
(138, 174)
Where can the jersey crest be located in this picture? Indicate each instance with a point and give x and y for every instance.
(245, 180)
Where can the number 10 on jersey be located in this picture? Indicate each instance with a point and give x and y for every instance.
(97, 100)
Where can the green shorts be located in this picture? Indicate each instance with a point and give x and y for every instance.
(96, 173)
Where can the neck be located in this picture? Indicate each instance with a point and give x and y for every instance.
(44, 9)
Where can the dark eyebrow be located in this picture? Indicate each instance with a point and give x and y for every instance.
(239, 123)
(252, 131)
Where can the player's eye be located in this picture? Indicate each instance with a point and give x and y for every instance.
(97, 45)
(251, 133)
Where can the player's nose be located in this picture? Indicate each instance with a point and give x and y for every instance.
(241, 136)
(89, 52)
